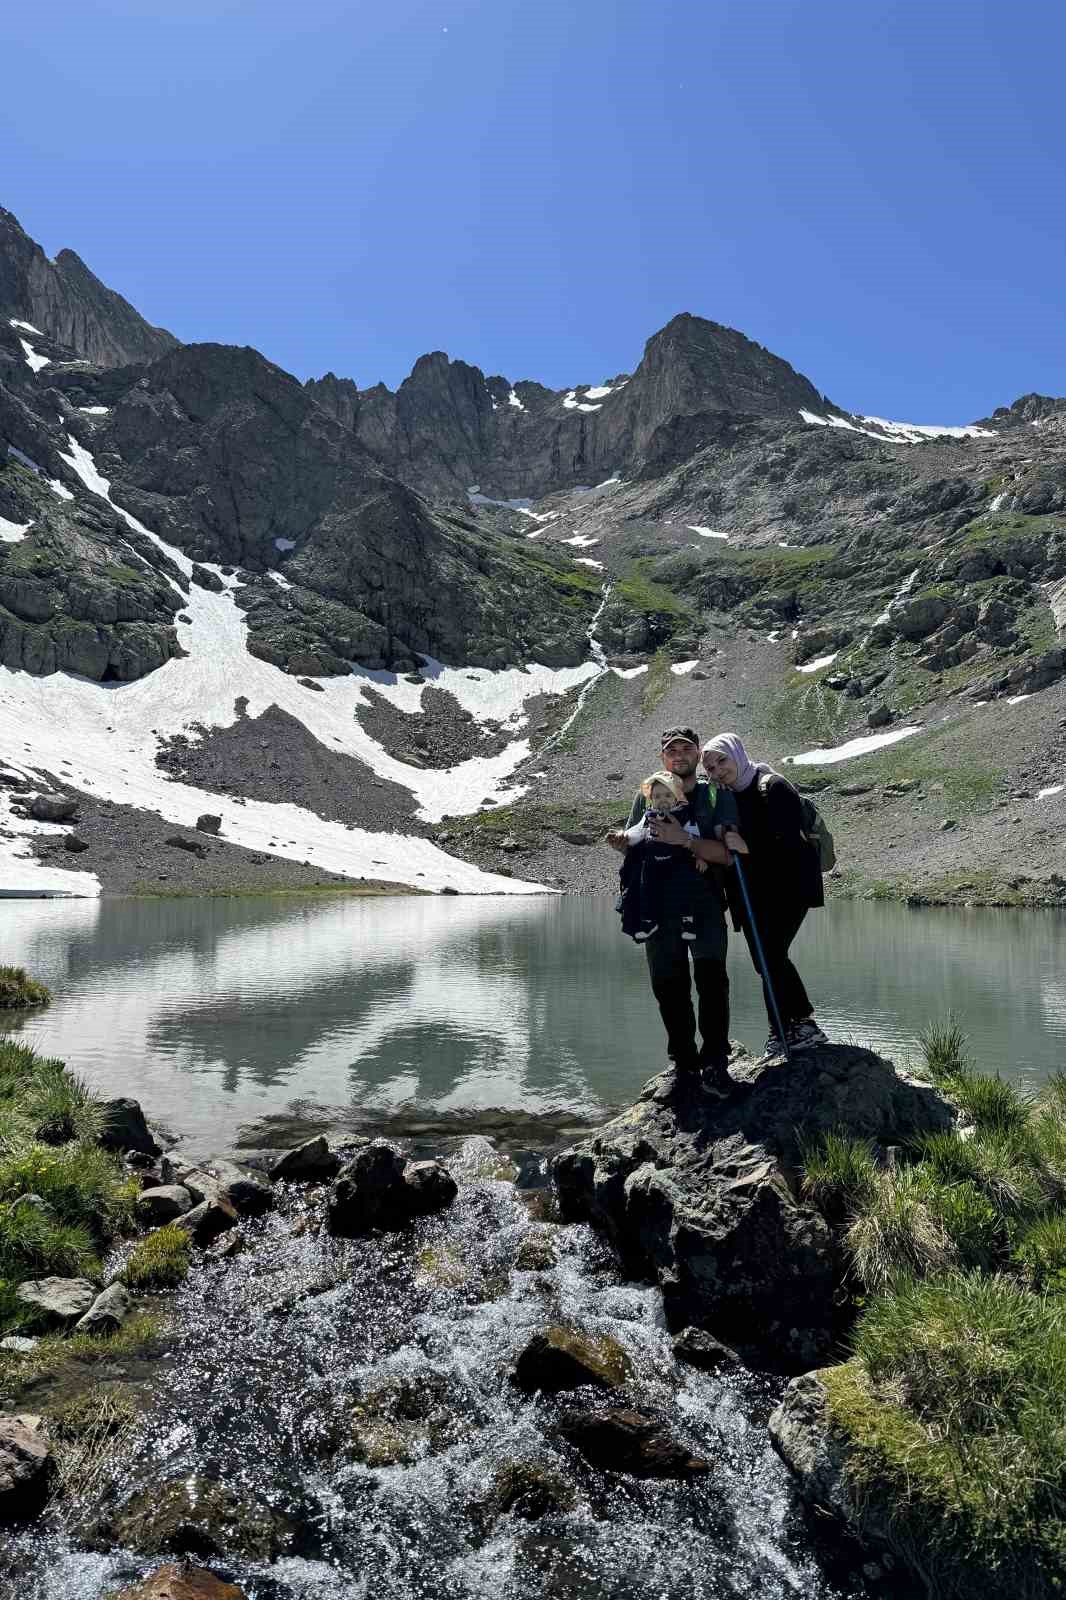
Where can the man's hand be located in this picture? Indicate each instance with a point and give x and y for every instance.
(618, 841)
(667, 830)
(732, 841)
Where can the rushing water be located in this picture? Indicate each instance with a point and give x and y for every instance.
(279, 1353)
(221, 1014)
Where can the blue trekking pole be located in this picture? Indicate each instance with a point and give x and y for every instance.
(764, 969)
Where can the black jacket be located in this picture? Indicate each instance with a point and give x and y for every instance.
(782, 868)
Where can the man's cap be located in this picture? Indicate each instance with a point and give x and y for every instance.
(689, 735)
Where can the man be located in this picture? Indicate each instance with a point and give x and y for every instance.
(668, 953)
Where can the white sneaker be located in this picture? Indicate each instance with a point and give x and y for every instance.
(806, 1035)
(772, 1048)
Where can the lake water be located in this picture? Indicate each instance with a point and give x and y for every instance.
(219, 1013)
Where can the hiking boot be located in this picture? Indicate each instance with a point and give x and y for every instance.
(716, 1082)
(772, 1050)
(805, 1035)
(688, 929)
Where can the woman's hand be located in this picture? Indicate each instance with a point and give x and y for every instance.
(667, 830)
(732, 841)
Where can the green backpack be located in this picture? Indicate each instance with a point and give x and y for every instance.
(815, 828)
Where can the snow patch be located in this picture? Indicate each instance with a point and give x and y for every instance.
(680, 668)
(27, 327)
(896, 432)
(1016, 699)
(12, 532)
(854, 747)
(817, 664)
(586, 561)
(585, 540)
(282, 583)
(629, 672)
(573, 404)
(705, 533)
(1045, 794)
(59, 489)
(284, 544)
(599, 392)
(95, 411)
(33, 360)
(996, 501)
(513, 400)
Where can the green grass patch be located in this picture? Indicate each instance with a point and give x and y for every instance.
(84, 1185)
(657, 683)
(18, 989)
(34, 1244)
(641, 591)
(159, 1261)
(534, 825)
(840, 1173)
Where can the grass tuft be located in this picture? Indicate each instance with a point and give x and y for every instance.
(19, 990)
(840, 1174)
(159, 1261)
(898, 1233)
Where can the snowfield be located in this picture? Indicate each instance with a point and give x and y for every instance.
(106, 734)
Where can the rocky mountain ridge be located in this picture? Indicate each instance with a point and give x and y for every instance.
(707, 537)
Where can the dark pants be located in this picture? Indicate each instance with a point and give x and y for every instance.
(777, 929)
(668, 956)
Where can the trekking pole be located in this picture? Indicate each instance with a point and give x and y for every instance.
(764, 969)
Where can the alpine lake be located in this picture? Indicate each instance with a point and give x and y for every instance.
(253, 1023)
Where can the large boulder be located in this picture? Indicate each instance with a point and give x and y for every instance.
(180, 1581)
(207, 1221)
(25, 1467)
(124, 1127)
(56, 1302)
(378, 1189)
(703, 1197)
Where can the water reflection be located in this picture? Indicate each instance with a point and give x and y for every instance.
(218, 1012)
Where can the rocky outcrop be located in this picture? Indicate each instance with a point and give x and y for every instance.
(125, 1128)
(70, 305)
(107, 1312)
(567, 1358)
(195, 1516)
(56, 1302)
(705, 1199)
(630, 1441)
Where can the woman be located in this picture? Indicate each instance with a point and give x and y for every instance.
(784, 878)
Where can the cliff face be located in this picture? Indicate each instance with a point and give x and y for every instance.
(70, 305)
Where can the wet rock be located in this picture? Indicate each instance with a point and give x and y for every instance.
(566, 1358)
(57, 1301)
(310, 1162)
(249, 1197)
(377, 1189)
(52, 808)
(403, 1419)
(207, 1221)
(526, 1489)
(208, 823)
(702, 1349)
(107, 1312)
(163, 1204)
(702, 1198)
(536, 1253)
(124, 1127)
(429, 1187)
(195, 1516)
(25, 1468)
(180, 1581)
(630, 1441)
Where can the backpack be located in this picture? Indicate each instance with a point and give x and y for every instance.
(815, 828)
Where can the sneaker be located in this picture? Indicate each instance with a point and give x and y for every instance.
(688, 929)
(645, 933)
(806, 1035)
(772, 1049)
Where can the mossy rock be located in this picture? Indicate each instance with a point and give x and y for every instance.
(536, 1252)
(18, 990)
(403, 1419)
(196, 1516)
(529, 1490)
(567, 1358)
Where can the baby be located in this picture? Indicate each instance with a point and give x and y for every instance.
(664, 870)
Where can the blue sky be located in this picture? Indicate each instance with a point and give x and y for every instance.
(873, 191)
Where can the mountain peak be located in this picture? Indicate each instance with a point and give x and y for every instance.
(715, 368)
